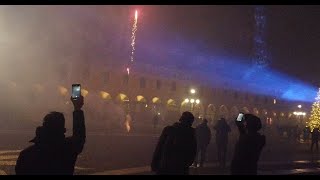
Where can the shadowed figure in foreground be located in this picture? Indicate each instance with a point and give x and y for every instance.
(249, 146)
(203, 134)
(176, 148)
(53, 153)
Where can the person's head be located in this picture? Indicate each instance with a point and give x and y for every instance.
(253, 123)
(52, 128)
(54, 123)
(187, 118)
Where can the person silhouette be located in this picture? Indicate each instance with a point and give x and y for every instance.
(249, 146)
(203, 134)
(176, 148)
(52, 153)
(314, 138)
(222, 129)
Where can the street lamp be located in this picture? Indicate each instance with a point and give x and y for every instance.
(299, 106)
(192, 101)
(299, 113)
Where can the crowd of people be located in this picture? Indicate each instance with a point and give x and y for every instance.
(180, 145)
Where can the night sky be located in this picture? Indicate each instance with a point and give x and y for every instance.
(167, 35)
(293, 33)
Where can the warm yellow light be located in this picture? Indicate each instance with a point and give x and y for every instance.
(314, 119)
(186, 100)
(84, 92)
(156, 100)
(171, 102)
(299, 113)
(192, 100)
(63, 91)
(192, 91)
(197, 101)
(141, 99)
(105, 95)
(123, 97)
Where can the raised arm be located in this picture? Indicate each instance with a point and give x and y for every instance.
(79, 129)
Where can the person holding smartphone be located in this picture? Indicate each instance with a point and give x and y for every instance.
(52, 153)
(249, 146)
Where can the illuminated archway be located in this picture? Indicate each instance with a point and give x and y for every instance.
(171, 105)
(122, 101)
(211, 112)
(122, 98)
(157, 106)
(198, 110)
(141, 99)
(84, 92)
(156, 100)
(223, 111)
(185, 106)
(171, 102)
(106, 96)
(141, 103)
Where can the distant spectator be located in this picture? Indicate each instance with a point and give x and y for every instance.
(222, 131)
(203, 134)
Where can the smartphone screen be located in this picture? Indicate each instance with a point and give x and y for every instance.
(240, 117)
(76, 91)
